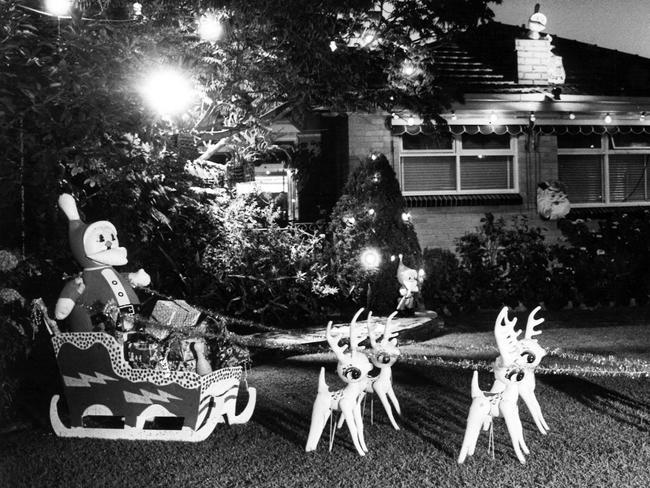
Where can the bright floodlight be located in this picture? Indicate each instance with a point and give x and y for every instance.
(210, 29)
(58, 7)
(168, 91)
(370, 258)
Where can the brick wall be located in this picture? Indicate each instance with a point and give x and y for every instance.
(441, 226)
(368, 133)
(533, 58)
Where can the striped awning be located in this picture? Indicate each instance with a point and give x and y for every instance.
(420, 201)
(517, 129)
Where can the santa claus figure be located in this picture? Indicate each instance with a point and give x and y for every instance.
(99, 292)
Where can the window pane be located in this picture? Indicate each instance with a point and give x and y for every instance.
(486, 173)
(578, 141)
(427, 173)
(421, 142)
(627, 177)
(582, 176)
(486, 141)
(630, 140)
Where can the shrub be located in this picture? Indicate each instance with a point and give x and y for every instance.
(441, 286)
(369, 215)
(16, 333)
(609, 261)
(264, 271)
(503, 264)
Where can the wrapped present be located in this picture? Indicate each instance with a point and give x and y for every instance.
(142, 351)
(175, 313)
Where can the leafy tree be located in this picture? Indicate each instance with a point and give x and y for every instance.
(73, 116)
(370, 215)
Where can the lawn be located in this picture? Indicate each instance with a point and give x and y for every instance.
(599, 438)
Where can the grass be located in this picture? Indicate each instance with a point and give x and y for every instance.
(599, 438)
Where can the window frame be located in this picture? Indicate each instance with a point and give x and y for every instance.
(458, 152)
(604, 151)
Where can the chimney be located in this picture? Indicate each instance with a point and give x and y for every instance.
(533, 61)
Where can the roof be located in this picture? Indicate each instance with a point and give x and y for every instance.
(483, 60)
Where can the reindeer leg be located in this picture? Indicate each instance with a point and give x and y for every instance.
(358, 419)
(516, 431)
(391, 395)
(319, 415)
(381, 393)
(527, 393)
(347, 411)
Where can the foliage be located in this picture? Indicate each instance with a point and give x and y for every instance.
(16, 332)
(369, 215)
(264, 271)
(609, 260)
(441, 286)
(503, 264)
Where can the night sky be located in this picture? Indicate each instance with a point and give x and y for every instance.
(616, 24)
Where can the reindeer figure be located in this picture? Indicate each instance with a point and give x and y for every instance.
(383, 355)
(501, 400)
(353, 368)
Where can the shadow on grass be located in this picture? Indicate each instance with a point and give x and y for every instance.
(618, 406)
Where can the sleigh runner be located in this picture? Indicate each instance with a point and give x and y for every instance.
(108, 398)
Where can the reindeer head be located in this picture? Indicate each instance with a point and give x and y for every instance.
(353, 365)
(530, 352)
(385, 352)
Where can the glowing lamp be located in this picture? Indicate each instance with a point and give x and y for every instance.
(210, 29)
(493, 118)
(58, 7)
(168, 92)
(406, 216)
(532, 117)
(572, 116)
(333, 46)
(608, 119)
(370, 259)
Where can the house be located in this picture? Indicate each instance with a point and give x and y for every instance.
(535, 109)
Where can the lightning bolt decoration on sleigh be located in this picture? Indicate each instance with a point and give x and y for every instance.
(353, 368)
(514, 374)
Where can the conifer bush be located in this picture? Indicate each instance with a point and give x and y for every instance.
(370, 214)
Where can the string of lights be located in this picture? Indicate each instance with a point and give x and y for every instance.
(63, 16)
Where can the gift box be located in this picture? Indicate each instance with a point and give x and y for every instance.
(175, 313)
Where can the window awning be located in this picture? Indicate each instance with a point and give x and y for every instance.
(420, 201)
(516, 129)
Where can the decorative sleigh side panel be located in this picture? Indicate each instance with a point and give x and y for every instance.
(99, 382)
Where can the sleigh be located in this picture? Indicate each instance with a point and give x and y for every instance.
(107, 398)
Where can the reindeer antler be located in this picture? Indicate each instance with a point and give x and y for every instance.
(388, 332)
(506, 336)
(333, 341)
(532, 323)
(354, 341)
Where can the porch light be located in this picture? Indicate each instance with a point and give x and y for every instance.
(532, 117)
(370, 258)
(608, 119)
(58, 7)
(410, 121)
(572, 116)
(210, 28)
(453, 115)
(493, 118)
(167, 91)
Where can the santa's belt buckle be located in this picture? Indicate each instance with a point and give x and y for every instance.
(127, 310)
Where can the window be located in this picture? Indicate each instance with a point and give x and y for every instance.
(449, 164)
(612, 170)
